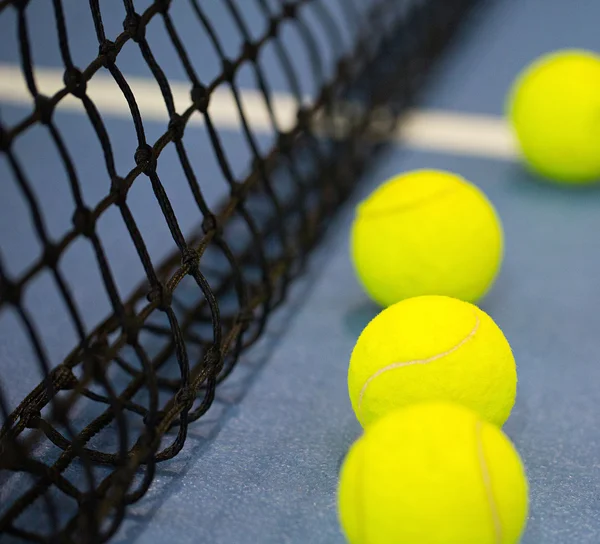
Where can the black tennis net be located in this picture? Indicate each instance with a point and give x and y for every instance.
(311, 92)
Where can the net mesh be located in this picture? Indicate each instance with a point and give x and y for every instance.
(83, 444)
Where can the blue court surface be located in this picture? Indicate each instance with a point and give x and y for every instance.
(262, 467)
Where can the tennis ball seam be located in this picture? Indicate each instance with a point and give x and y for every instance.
(487, 484)
(402, 364)
(377, 214)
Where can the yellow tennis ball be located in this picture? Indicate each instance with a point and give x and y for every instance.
(553, 108)
(432, 348)
(426, 232)
(433, 474)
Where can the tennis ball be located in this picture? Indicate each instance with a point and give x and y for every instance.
(426, 232)
(554, 109)
(433, 474)
(432, 348)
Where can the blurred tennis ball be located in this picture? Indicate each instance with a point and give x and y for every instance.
(426, 232)
(554, 109)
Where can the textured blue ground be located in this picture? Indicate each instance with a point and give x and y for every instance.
(263, 468)
(274, 462)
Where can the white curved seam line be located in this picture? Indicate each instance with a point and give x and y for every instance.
(394, 366)
(487, 484)
(378, 214)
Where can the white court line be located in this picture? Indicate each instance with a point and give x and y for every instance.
(431, 130)
(459, 134)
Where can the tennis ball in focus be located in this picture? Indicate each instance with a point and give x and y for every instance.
(554, 108)
(426, 232)
(432, 348)
(433, 474)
